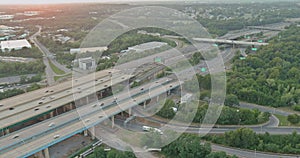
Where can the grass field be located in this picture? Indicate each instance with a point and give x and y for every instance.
(56, 69)
(63, 76)
(284, 122)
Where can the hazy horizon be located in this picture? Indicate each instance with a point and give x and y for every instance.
(127, 1)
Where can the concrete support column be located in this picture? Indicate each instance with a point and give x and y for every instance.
(85, 133)
(130, 111)
(39, 154)
(92, 130)
(112, 121)
(87, 99)
(101, 94)
(145, 105)
(70, 106)
(46, 152)
(51, 114)
(64, 109)
(169, 92)
(45, 117)
(157, 98)
(7, 131)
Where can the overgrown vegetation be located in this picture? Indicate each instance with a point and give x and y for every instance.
(15, 92)
(100, 152)
(133, 38)
(17, 68)
(189, 145)
(33, 52)
(248, 139)
(271, 76)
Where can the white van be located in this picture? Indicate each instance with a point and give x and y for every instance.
(147, 128)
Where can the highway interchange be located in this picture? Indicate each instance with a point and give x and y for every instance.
(24, 109)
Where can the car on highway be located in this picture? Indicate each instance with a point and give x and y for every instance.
(15, 136)
(56, 136)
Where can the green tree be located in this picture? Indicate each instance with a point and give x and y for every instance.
(231, 100)
(243, 138)
(167, 110)
(293, 118)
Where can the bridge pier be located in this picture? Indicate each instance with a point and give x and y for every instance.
(101, 94)
(145, 105)
(7, 131)
(112, 121)
(71, 106)
(130, 111)
(85, 133)
(51, 114)
(39, 154)
(92, 130)
(46, 152)
(157, 98)
(87, 99)
(169, 92)
(64, 109)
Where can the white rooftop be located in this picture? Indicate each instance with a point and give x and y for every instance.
(15, 44)
(147, 46)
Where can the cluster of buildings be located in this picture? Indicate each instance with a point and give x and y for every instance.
(61, 38)
(143, 32)
(6, 17)
(89, 63)
(7, 33)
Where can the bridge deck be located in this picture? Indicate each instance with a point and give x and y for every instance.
(47, 140)
(229, 41)
(38, 94)
(33, 109)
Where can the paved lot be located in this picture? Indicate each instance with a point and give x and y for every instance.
(69, 146)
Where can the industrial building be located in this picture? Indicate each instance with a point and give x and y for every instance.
(87, 63)
(147, 46)
(14, 45)
(85, 50)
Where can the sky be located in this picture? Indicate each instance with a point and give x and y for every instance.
(112, 1)
(58, 1)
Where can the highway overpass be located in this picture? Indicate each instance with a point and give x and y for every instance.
(21, 108)
(265, 28)
(41, 140)
(233, 42)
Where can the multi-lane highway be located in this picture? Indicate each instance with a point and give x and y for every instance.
(23, 107)
(229, 42)
(82, 111)
(89, 120)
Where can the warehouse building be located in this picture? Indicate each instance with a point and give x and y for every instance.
(14, 45)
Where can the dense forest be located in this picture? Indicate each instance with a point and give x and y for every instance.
(190, 146)
(100, 152)
(133, 38)
(186, 146)
(272, 75)
(229, 17)
(228, 116)
(246, 138)
(33, 52)
(17, 68)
